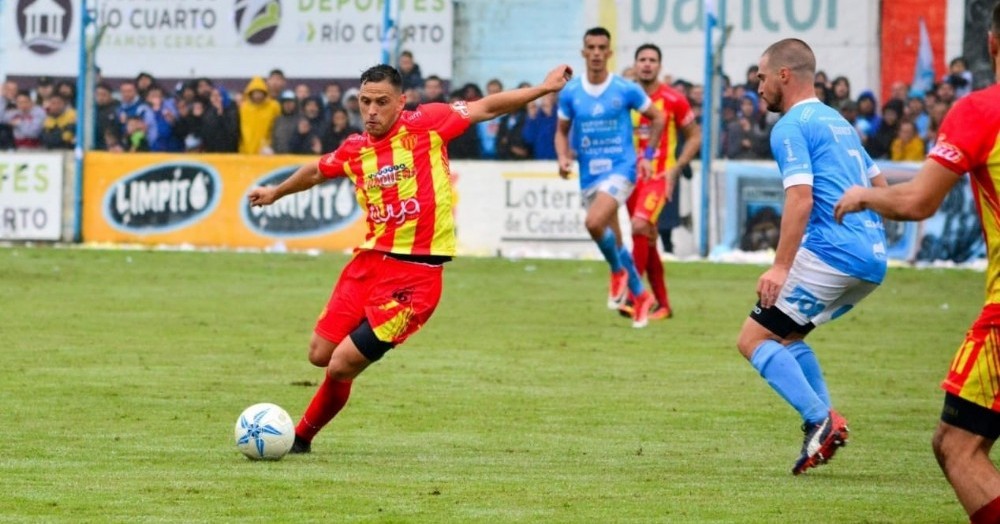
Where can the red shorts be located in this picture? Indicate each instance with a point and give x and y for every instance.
(395, 296)
(648, 198)
(974, 374)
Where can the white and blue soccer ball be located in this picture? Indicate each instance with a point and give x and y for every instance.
(264, 432)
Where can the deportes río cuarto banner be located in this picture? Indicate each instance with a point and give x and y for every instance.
(31, 191)
(201, 200)
(224, 38)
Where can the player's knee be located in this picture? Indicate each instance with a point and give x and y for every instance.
(938, 445)
(341, 373)
(319, 352)
(952, 449)
(642, 228)
(746, 344)
(595, 227)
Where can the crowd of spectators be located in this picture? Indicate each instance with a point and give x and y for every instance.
(271, 116)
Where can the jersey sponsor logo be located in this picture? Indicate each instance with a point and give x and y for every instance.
(839, 131)
(388, 176)
(948, 152)
(460, 107)
(789, 153)
(806, 302)
(320, 210)
(162, 197)
(395, 213)
(599, 165)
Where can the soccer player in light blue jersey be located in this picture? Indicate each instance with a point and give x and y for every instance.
(821, 268)
(597, 109)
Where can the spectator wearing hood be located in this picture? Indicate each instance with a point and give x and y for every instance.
(258, 111)
(868, 120)
(286, 125)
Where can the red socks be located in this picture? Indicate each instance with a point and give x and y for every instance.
(640, 253)
(657, 280)
(647, 260)
(988, 514)
(330, 398)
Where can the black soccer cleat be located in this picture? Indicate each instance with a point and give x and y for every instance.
(301, 445)
(821, 442)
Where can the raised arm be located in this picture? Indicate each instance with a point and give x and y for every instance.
(492, 106)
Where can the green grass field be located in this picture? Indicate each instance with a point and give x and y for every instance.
(523, 400)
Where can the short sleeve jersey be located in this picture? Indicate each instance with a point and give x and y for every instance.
(402, 180)
(678, 114)
(815, 146)
(602, 126)
(969, 142)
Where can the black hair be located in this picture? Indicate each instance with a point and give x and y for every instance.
(597, 31)
(383, 73)
(654, 47)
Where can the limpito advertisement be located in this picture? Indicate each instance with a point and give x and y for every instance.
(201, 200)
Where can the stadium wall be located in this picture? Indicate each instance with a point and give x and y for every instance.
(512, 209)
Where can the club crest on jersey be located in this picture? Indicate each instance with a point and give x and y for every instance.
(408, 142)
(461, 108)
(616, 103)
(388, 176)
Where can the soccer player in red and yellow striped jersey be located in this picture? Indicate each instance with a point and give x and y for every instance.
(652, 193)
(968, 142)
(392, 285)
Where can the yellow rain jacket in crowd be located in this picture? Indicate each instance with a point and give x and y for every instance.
(256, 120)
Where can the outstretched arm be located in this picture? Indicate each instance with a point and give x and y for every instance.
(914, 199)
(504, 102)
(303, 178)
